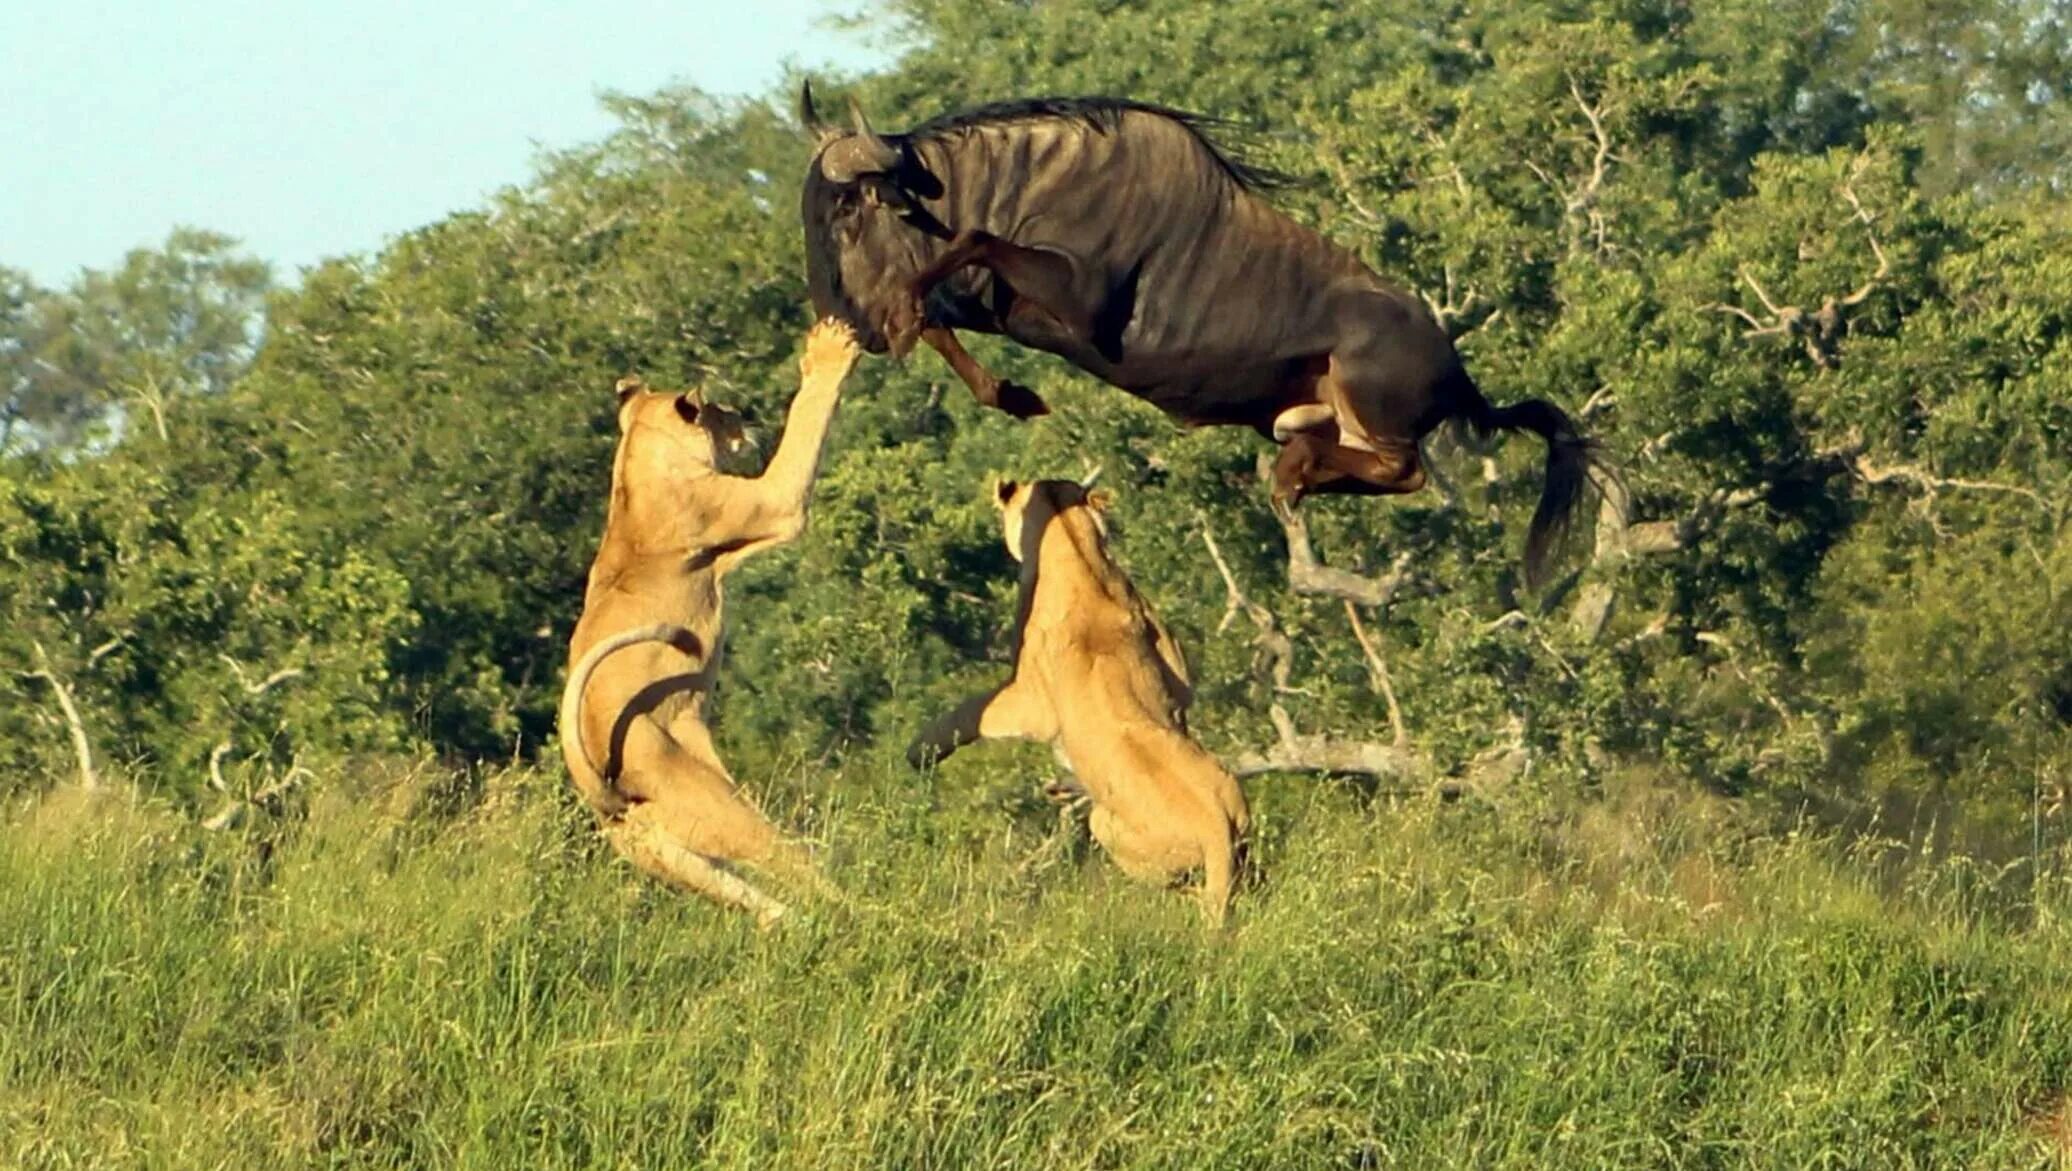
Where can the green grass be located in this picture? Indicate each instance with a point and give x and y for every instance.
(1415, 985)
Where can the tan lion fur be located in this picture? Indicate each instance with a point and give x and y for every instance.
(1099, 677)
(647, 648)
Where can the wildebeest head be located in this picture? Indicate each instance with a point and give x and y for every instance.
(853, 202)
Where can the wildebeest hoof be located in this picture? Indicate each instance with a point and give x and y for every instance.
(1019, 401)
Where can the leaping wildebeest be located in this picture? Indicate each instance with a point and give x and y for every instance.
(1118, 236)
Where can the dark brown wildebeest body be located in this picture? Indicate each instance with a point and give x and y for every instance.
(1118, 237)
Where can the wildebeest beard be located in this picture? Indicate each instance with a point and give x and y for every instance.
(824, 263)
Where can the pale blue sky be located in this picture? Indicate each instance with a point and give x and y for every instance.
(309, 130)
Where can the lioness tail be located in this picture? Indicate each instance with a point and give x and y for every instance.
(597, 786)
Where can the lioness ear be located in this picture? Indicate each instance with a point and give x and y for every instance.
(686, 409)
(1005, 490)
(629, 386)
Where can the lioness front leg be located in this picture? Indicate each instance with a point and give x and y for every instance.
(772, 507)
(1015, 711)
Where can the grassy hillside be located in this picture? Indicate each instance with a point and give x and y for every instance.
(432, 973)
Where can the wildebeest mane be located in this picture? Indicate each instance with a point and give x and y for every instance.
(1104, 114)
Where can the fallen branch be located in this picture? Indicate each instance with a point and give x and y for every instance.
(1296, 752)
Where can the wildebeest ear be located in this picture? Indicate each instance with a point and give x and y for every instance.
(1100, 499)
(1005, 490)
(629, 386)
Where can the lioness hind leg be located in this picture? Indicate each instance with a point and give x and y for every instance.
(1219, 873)
(679, 788)
(648, 846)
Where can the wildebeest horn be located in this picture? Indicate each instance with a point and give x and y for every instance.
(1087, 481)
(861, 153)
(809, 117)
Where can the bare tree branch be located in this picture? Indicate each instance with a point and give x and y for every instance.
(1932, 484)
(1274, 645)
(1293, 751)
(238, 810)
(1456, 305)
(284, 675)
(1884, 263)
(1308, 576)
(89, 780)
(1579, 201)
(1821, 330)
(1583, 202)
(1594, 602)
(1378, 677)
(1334, 162)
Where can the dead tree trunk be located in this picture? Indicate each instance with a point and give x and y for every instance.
(89, 780)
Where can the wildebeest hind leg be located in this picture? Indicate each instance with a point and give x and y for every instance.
(1296, 468)
(987, 387)
(1311, 464)
(1392, 470)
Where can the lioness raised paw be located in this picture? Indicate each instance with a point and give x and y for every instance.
(831, 350)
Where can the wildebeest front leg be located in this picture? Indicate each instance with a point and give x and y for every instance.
(1039, 280)
(908, 319)
(988, 388)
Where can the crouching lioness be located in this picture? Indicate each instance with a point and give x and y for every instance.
(645, 652)
(1098, 677)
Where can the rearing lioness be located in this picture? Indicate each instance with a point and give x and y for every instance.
(1098, 676)
(647, 647)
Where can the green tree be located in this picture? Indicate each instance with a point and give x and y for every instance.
(177, 320)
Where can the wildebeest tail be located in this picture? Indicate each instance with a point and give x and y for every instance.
(1569, 459)
(590, 773)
